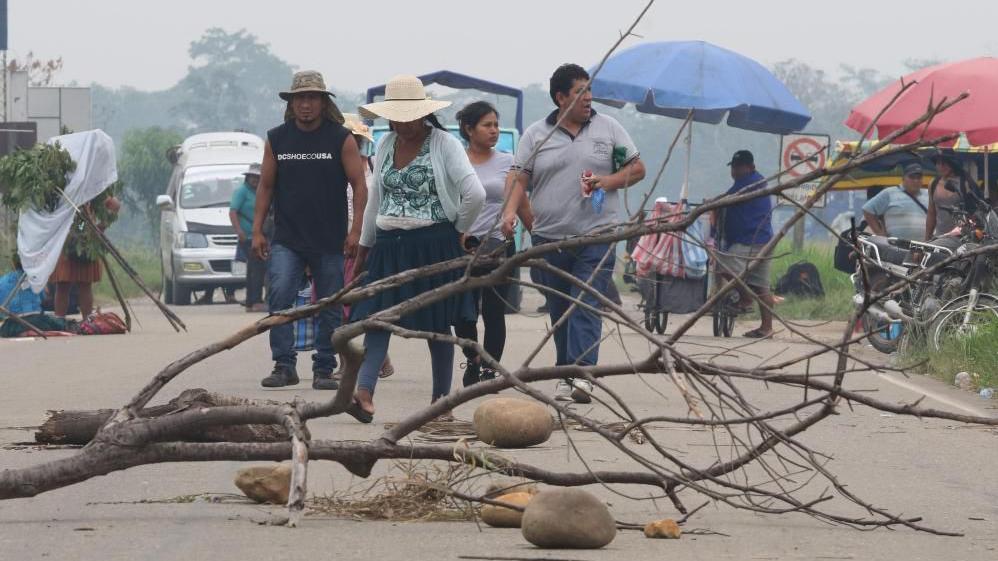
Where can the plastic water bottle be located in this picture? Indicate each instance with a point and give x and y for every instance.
(987, 393)
(597, 200)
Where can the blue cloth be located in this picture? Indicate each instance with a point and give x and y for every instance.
(577, 340)
(671, 77)
(287, 268)
(244, 203)
(25, 301)
(749, 222)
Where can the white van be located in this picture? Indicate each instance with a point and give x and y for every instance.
(197, 240)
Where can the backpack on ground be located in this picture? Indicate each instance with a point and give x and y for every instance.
(801, 279)
(103, 323)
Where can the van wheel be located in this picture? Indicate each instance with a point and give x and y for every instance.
(181, 294)
(166, 288)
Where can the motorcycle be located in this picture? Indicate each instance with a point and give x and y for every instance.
(952, 303)
(886, 262)
(972, 301)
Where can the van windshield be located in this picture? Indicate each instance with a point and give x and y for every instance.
(210, 186)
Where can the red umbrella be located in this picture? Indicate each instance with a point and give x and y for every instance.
(976, 116)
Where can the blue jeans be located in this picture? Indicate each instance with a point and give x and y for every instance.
(285, 271)
(577, 340)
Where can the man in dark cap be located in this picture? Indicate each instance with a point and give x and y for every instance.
(745, 229)
(900, 211)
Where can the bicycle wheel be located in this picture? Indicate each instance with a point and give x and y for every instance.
(728, 324)
(954, 321)
(661, 319)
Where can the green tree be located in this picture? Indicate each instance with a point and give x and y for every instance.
(145, 170)
(232, 83)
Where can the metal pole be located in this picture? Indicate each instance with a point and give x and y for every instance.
(684, 195)
(3, 88)
(987, 184)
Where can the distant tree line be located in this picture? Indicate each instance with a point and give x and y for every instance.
(233, 78)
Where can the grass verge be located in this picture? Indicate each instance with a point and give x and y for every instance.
(976, 353)
(837, 303)
(145, 261)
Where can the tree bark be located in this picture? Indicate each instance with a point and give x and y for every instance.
(80, 427)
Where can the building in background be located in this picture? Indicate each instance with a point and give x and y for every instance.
(52, 109)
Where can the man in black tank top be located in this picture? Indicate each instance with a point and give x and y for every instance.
(308, 164)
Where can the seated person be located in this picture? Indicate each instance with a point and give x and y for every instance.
(900, 211)
(15, 295)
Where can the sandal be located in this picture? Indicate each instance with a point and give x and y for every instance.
(386, 369)
(757, 334)
(357, 412)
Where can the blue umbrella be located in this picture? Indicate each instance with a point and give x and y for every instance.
(672, 77)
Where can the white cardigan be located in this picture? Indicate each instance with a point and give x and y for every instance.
(458, 187)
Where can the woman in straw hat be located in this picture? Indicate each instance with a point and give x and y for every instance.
(424, 195)
(365, 142)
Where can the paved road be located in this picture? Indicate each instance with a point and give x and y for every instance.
(935, 469)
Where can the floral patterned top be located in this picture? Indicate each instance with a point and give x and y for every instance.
(410, 193)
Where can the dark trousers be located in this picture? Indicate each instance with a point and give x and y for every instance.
(256, 273)
(492, 304)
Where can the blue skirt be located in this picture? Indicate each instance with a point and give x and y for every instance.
(396, 251)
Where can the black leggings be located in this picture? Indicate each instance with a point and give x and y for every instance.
(492, 305)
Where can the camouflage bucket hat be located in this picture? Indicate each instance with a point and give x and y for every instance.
(306, 81)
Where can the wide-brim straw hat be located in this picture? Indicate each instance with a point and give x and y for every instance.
(356, 126)
(405, 101)
(306, 81)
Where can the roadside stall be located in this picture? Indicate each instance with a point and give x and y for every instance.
(704, 83)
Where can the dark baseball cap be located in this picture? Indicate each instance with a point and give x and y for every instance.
(913, 169)
(742, 157)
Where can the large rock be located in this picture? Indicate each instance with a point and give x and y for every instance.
(265, 484)
(512, 423)
(663, 529)
(506, 485)
(502, 517)
(568, 518)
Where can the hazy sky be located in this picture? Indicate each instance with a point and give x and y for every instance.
(143, 43)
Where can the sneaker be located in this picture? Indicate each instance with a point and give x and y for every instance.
(472, 373)
(324, 381)
(563, 391)
(488, 374)
(282, 375)
(581, 391)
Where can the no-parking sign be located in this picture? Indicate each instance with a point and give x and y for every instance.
(801, 154)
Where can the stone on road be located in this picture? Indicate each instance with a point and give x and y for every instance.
(939, 470)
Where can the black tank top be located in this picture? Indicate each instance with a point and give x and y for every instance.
(310, 194)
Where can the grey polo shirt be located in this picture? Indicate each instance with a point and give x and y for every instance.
(560, 210)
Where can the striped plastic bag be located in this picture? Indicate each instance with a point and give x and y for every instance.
(305, 328)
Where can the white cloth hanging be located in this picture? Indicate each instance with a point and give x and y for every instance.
(41, 234)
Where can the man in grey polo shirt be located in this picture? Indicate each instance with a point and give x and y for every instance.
(900, 211)
(574, 181)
